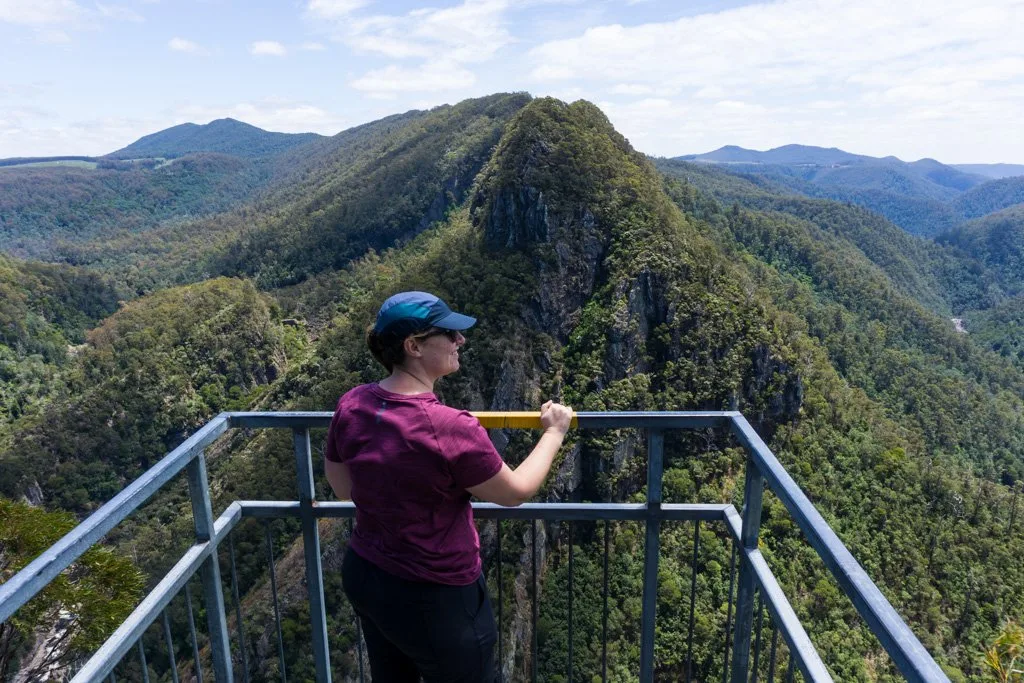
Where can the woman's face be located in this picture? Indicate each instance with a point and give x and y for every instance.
(440, 351)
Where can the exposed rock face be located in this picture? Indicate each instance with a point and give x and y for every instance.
(568, 268)
(518, 217)
(785, 400)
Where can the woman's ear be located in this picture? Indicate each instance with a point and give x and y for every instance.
(411, 345)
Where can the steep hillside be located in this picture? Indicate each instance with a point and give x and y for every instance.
(154, 371)
(992, 196)
(327, 202)
(47, 210)
(997, 240)
(401, 183)
(943, 278)
(43, 309)
(223, 136)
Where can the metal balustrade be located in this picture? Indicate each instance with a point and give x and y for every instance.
(755, 587)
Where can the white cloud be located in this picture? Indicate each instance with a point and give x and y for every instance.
(807, 71)
(52, 36)
(334, 9)
(187, 46)
(39, 12)
(313, 47)
(119, 13)
(631, 89)
(268, 47)
(471, 32)
(430, 77)
(443, 41)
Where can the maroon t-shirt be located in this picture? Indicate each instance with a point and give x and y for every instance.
(410, 459)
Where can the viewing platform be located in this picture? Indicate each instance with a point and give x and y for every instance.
(762, 638)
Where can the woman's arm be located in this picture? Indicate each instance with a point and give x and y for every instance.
(338, 478)
(513, 487)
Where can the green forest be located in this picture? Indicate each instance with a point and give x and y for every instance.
(599, 276)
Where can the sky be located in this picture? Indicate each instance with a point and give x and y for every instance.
(933, 78)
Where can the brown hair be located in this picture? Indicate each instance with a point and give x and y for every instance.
(388, 349)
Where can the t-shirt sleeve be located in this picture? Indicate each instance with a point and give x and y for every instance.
(472, 456)
(332, 451)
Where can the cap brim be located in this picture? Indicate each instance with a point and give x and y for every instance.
(455, 321)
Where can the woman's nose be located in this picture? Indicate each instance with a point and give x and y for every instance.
(460, 340)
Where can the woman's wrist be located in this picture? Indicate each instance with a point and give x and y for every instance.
(555, 431)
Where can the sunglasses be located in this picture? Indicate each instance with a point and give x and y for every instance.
(453, 335)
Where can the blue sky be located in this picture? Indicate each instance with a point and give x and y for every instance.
(912, 78)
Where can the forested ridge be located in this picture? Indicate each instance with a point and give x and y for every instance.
(605, 280)
(924, 197)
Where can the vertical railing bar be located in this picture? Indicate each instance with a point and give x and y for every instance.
(273, 590)
(753, 498)
(728, 616)
(359, 649)
(142, 660)
(238, 610)
(359, 624)
(604, 599)
(789, 669)
(171, 661)
(192, 630)
(534, 608)
(771, 657)
(311, 550)
(501, 608)
(112, 678)
(693, 600)
(570, 530)
(652, 553)
(757, 635)
(209, 571)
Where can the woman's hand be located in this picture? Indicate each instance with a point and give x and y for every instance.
(555, 417)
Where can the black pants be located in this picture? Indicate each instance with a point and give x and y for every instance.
(445, 634)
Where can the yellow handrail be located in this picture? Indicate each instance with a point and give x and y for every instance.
(513, 420)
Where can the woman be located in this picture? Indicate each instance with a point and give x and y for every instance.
(410, 464)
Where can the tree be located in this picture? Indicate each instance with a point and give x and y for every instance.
(78, 610)
(1005, 659)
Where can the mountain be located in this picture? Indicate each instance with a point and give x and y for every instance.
(223, 136)
(787, 155)
(423, 165)
(44, 309)
(990, 197)
(997, 240)
(45, 211)
(992, 170)
(608, 281)
(916, 196)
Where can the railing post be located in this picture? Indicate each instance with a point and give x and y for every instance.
(753, 491)
(209, 572)
(652, 549)
(311, 547)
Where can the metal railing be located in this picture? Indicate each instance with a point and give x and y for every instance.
(754, 581)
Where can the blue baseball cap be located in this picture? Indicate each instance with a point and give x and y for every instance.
(410, 312)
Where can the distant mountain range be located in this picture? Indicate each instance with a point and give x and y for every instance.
(923, 197)
(809, 155)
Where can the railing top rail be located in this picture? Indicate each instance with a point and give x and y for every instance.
(682, 419)
(24, 585)
(907, 652)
